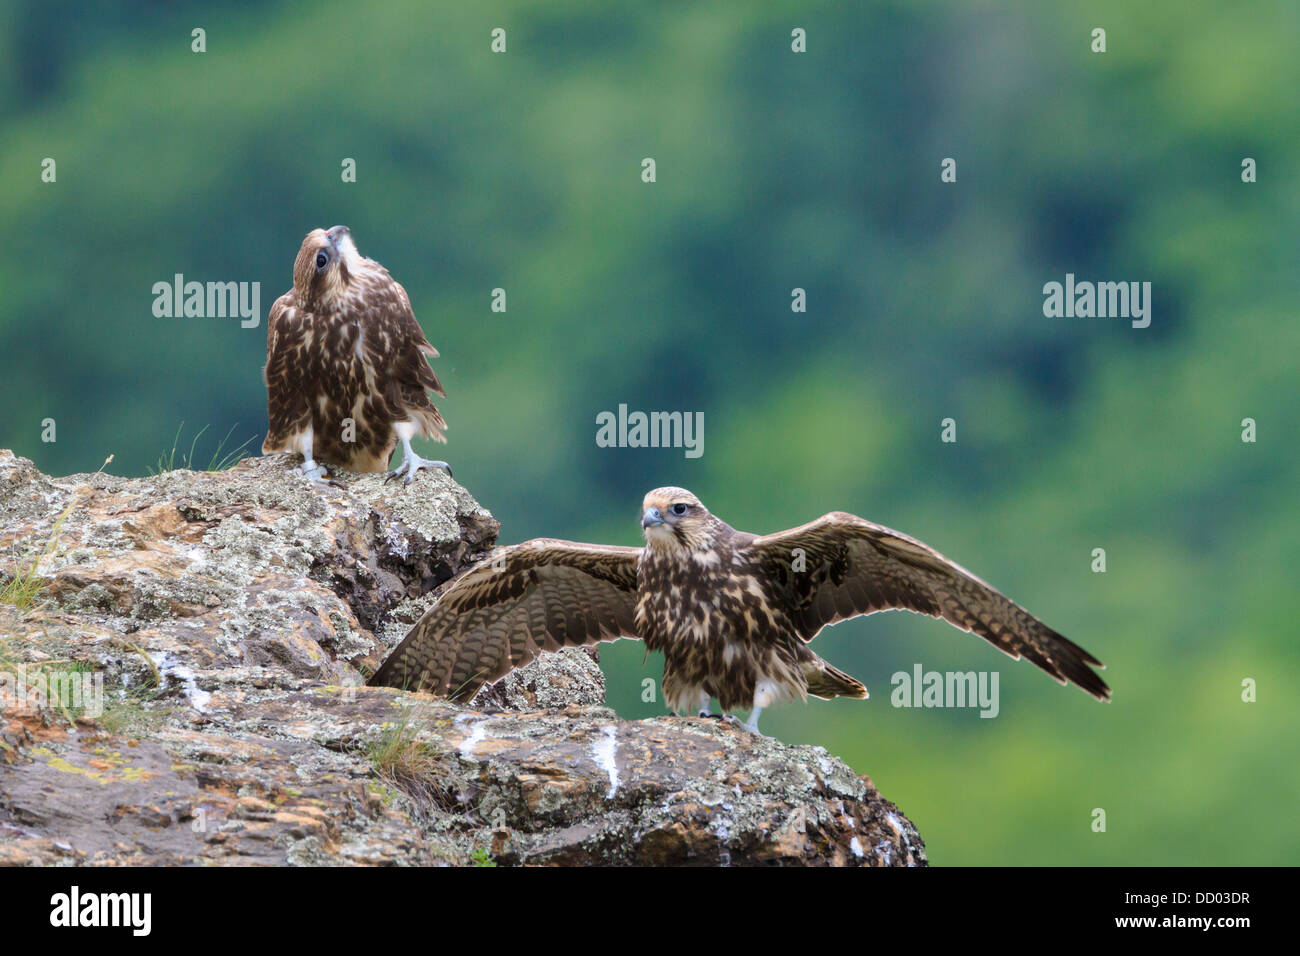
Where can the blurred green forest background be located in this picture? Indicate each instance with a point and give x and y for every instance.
(775, 170)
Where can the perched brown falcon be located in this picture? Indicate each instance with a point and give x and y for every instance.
(346, 370)
(732, 612)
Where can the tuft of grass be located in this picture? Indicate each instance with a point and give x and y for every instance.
(403, 761)
(134, 714)
(137, 714)
(44, 677)
(221, 459)
(26, 582)
(65, 670)
(399, 753)
(482, 857)
(8, 660)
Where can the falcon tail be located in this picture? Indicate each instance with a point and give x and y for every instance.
(826, 681)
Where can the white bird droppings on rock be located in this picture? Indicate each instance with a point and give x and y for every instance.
(603, 750)
(477, 734)
(168, 667)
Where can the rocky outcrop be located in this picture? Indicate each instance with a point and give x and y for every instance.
(181, 681)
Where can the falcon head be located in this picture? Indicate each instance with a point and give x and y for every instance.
(675, 518)
(327, 264)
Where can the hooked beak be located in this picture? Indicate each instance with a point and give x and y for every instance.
(335, 233)
(652, 518)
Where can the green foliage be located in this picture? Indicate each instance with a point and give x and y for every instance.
(775, 170)
(23, 585)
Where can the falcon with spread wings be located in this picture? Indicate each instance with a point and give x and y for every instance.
(732, 612)
(347, 375)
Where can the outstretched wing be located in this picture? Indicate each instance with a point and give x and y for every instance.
(851, 566)
(288, 408)
(541, 595)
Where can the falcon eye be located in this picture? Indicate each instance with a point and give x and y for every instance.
(322, 260)
(679, 509)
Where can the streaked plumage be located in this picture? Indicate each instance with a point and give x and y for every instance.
(343, 344)
(732, 612)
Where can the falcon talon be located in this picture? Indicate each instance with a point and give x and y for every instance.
(752, 724)
(732, 612)
(411, 463)
(310, 469)
(408, 470)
